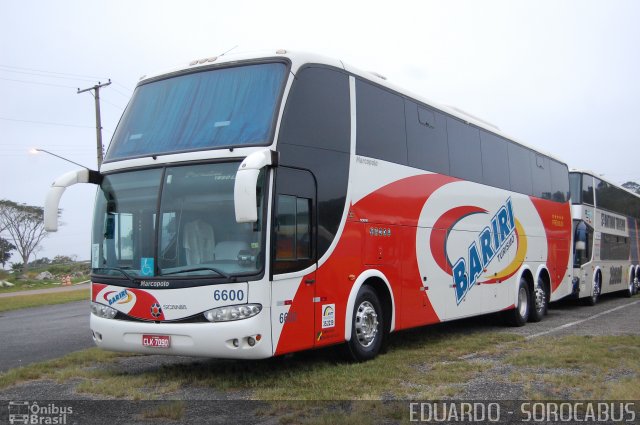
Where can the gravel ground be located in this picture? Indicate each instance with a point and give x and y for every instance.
(613, 315)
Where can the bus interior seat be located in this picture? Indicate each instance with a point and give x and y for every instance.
(198, 242)
(229, 250)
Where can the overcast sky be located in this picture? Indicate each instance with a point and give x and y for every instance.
(562, 76)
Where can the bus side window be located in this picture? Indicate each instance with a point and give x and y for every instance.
(380, 124)
(495, 160)
(293, 233)
(464, 150)
(426, 138)
(520, 169)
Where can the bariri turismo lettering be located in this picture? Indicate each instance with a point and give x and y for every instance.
(493, 241)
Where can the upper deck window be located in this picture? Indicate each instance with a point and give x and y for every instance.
(224, 107)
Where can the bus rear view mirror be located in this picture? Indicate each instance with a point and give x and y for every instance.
(51, 204)
(244, 190)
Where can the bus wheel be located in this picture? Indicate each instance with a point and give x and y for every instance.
(519, 315)
(539, 305)
(367, 326)
(593, 299)
(631, 290)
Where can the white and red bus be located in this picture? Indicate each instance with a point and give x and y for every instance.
(606, 239)
(251, 206)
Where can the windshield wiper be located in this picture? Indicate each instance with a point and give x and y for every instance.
(118, 269)
(197, 269)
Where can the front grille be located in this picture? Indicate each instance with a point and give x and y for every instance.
(196, 318)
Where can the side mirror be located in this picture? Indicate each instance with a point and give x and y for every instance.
(244, 190)
(51, 204)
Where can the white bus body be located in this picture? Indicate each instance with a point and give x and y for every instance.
(308, 205)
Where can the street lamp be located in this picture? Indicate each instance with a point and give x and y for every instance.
(35, 151)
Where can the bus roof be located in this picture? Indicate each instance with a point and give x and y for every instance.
(599, 177)
(300, 58)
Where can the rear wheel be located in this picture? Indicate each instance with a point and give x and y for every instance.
(538, 307)
(367, 326)
(631, 289)
(519, 315)
(595, 294)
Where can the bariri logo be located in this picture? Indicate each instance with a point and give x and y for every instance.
(493, 242)
(120, 297)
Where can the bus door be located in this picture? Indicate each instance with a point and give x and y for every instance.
(294, 259)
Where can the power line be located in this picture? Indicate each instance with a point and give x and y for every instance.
(45, 122)
(88, 77)
(128, 96)
(51, 74)
(45, 75)
(112, 104)
(50, 145)
(60, 85)
(37, 83)
(23, 149)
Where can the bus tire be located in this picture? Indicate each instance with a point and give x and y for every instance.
(519, 315)
(595, 293)
(631, 289)
(367, 326)
(538, 307)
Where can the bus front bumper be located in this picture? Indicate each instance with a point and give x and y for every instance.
(240, 339)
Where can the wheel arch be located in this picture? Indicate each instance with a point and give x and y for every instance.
(380, 284)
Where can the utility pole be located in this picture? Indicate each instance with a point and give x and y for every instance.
(96, 96)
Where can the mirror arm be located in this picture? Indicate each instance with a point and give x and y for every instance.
(244, 191)
(51, 204)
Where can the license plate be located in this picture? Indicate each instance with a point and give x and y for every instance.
(157, 341)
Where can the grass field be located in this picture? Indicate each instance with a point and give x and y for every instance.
(37, 300)
(432, 369)
(421, 364)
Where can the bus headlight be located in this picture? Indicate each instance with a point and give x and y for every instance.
(234, 312)
(103, 311)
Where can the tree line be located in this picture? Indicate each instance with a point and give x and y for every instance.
(632, 186)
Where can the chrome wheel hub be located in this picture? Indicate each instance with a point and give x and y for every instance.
(540, 299)
(366, 324)
(522, 302)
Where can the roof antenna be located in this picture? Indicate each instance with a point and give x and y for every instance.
(234, 47)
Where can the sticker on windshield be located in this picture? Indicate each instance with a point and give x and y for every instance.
(95, 255)
(146, 266)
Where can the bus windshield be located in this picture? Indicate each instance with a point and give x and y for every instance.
(224, 107)
(176, 221)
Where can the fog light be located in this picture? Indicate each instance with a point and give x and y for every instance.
(236, 343)
(251, 341)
